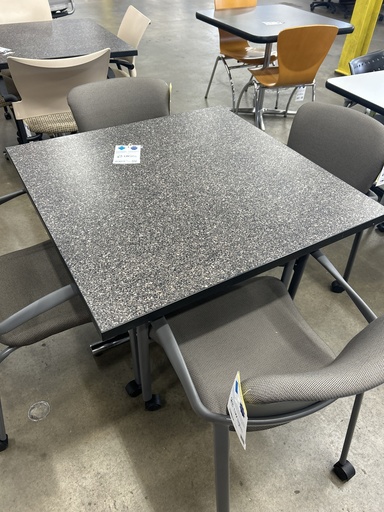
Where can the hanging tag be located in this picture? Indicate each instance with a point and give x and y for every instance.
(238, 411)
(300, 93)
(127, 154)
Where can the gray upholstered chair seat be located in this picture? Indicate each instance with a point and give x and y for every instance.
(255, 329)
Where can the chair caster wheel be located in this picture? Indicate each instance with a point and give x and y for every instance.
(344, 471)
(4, 444)
(7, 116)
(133, 388)
(336, 287)
(153, 404)
(380, 227)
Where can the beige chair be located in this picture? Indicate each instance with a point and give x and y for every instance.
(301, 51)
(131, 30)
(23, 11)
(44, 86)
(234, 47)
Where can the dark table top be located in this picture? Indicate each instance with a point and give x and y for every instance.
(263, 23)
(213, 201)
(62, 37)
(366, 89)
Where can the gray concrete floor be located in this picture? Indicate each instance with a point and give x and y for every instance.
(98, 450)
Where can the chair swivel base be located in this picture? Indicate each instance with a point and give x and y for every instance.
(3, 444)
(133, 389)
(344, 471)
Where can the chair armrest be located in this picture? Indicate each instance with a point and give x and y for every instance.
(121, 62)
(38, 307)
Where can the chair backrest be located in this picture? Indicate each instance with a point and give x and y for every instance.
(229, 43)
(22, 11)
(373, 61)
(234, 4)
(118, 101)
(44, 84)
(345, 142)
(301, 51)
(132, 28)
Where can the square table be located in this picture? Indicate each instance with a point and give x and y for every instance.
(263, 23)
(212, 202)
(365, 89)
(59, 38)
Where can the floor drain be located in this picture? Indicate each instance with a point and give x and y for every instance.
(39, 411)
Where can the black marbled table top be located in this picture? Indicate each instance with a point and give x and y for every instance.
(213, 199)
(61, 37)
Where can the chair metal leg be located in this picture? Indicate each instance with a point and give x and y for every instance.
(231, 82)
(221, 455)
(152, 402)
(243, 90)
(343, 468)
(212, 74)
(335, 286)
(3, 434)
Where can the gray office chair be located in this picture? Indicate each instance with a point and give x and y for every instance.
(287, 371)
(118, 101)
(346, 143)
(38, 299)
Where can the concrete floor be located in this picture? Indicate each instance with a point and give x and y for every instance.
(98, 450)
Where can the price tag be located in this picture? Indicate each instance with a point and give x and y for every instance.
(238, 411)
(127, 154)
(300, 93)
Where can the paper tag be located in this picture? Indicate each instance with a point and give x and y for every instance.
(300, 93)
(380, 178)
(238, 411)
(272, 23)
(127, 154)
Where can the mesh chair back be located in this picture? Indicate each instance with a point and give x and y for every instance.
(44, 84)
(345, 142)
(132, 29)
(119, 101)
(373, 61)
(22, 11)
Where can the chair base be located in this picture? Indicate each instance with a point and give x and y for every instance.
(336, 287)
(154, 404)
(133, 389)
(344, 471)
